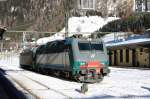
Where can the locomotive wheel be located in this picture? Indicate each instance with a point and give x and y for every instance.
(21, 66)
(79, 78)
(41, 70)
(67, 74)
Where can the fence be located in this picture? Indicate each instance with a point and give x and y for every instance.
(15, 41)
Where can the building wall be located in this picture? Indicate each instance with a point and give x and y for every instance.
(112, 58)
(141, 57)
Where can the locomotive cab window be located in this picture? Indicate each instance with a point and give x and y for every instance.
(97, 47)
(41, 49)
(90, 46)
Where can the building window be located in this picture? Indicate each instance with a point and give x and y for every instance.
(148, 5)
(139, 5)
(121, 55)
(86, 4)
(141, 49)
(142, 5)
(114, 1)
(127, 55)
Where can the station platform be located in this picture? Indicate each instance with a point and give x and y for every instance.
(8, 90)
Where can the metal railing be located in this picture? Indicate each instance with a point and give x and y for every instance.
(15, 41)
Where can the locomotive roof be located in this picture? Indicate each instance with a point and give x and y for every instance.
(69, 40)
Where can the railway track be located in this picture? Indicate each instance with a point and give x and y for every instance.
(22, 74)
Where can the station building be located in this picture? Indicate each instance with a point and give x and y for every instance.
(132, 51)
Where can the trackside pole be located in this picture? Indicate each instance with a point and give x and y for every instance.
(84, 88)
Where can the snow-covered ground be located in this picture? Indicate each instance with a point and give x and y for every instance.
(77, 25)
(87, 24)
(120, 84)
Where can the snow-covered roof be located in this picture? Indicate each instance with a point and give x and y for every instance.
(57, 36)
(133, 41)
(112, 41)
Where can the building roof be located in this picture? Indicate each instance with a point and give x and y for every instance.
(132, 41)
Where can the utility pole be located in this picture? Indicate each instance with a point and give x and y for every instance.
(146, 6)
(2, 31)
(24, 39)
(67, 14)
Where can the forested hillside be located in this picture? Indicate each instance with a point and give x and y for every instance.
(49, 15)
(40, 15)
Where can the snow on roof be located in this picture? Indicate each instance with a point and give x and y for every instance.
(112, 36)
(57, 36)
(128, 42)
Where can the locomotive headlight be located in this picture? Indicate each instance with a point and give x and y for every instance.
(105, 63)
(82, 63)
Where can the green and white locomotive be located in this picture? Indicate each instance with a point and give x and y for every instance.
(84, 60)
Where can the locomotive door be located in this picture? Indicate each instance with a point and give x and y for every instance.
(66, 61)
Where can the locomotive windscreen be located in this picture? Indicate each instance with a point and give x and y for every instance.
(90, 46)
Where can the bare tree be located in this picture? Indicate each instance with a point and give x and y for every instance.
(102, 7)
(124, 8)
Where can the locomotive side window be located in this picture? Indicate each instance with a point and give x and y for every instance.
(53, 47)
(41, 49)
(50, 47)
(56, 47)
(60, 47)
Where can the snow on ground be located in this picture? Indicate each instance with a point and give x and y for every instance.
(117, 85)
(85, 25)
(9, 60)
(120, 84)
(88, 24)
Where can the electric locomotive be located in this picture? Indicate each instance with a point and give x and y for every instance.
(84, 60)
